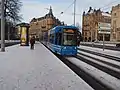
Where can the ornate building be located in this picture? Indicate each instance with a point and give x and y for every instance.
(95, 24)
(43, 24)
(115, 23)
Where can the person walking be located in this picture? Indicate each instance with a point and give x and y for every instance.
(32, 42)
(78, 42)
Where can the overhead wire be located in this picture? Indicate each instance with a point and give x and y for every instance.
(67, 7)
(105, 7)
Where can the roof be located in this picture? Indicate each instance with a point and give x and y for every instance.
(91, 11)
(59, 28)
(106, 14)
(66, 27)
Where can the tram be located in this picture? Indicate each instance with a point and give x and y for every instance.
(62, 40)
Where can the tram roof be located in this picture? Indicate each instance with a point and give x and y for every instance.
(57, 27)
(60, 28)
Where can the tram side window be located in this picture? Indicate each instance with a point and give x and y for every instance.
(59, 38)
(56, 38)
(51, 38)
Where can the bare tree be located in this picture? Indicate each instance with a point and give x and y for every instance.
(12, 16)
(12, 9)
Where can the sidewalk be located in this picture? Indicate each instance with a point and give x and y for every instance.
(25, 69)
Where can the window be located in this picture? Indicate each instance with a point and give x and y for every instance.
(69, 37)
(37, 23)
(58, 38)
(114, 14)
(114, 24)
(114, 36)
(52, 38)
(85, 33)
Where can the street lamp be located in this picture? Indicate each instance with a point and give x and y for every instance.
(2, 27)
(74, 11)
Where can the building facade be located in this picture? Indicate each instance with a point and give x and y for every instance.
(115, 23)
(40, 25)
(96, 24)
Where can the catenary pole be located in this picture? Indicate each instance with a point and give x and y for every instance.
(74, 10)
(2, 27)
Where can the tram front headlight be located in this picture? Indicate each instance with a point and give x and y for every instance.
(64, 48)
(75, 47)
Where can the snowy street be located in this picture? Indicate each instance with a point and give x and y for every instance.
(106, 51)
(39, 69)
(107, 45)
(25, 69)
(103, 66)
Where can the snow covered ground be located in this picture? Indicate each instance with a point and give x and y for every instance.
(99, 75)
(8, 41)
(25, 69)
(101, 58)
(100, 43)
(106, 51)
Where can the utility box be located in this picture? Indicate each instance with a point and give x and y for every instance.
(24, 34)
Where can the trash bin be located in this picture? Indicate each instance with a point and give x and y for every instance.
(24, 34)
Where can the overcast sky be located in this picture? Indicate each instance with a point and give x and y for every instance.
(36, 8)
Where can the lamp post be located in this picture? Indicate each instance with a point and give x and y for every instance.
(2, 27)
(9, 30)
(74, 10)
(103, 41)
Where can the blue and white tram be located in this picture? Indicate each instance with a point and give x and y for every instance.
(63, 40)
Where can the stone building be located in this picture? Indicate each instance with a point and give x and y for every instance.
(96, 23)
(40, 25)
(115, 23)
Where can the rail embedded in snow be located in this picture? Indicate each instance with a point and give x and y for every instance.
(108, 80)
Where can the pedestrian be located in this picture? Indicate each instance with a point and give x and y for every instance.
(78, 42)
(32, 42)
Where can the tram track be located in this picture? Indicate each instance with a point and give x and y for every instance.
(95, 84)
(106, 68)
(109, 68)
(102, 61)
(96, 81)
(81, 73)
(101, 54)
(109, 65)
(101, 46)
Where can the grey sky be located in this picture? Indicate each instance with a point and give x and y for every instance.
(36, 8)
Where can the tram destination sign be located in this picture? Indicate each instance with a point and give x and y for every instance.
(69, 31)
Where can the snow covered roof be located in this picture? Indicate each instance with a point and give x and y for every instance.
(91, 11)
(106, 14)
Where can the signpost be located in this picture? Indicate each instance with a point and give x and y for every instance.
(104, 28)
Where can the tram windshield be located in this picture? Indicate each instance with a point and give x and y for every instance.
(69, 37)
